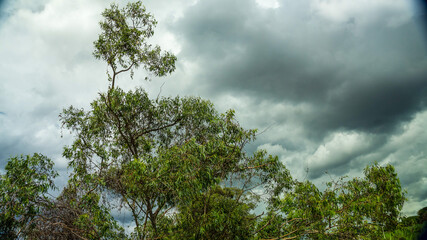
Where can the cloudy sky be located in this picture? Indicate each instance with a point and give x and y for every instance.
(333, 85)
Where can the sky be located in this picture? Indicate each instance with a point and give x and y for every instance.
(331, 85)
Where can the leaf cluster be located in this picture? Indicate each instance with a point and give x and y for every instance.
(346, 209)
(123, 44)
(23, 193)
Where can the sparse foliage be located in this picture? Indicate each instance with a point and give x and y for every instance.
(123, 42)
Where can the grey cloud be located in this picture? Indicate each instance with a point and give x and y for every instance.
(2, 2)
(8, 149)
(421, 8)
(374, 106)
(47, 72)
(3, 11)
(340, 150)
(309, 77)
(9, 7)
(123, 216)
(356, 79)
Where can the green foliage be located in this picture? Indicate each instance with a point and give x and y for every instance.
(27, 211)
(123, 42)
(422, 215)
(409, 221)
(221, 213)
(23, 193)
(384, 185)
(405, 233)
(154, 154)
(345, 210)
(77, 214)
(85, 214)
(270, 226)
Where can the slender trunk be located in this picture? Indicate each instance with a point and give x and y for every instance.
(152, 218)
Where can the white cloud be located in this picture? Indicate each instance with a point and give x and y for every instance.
(340, 149)
(413, 132)
(273, 149)
(46, 65)
(268, 3)
(364, 11)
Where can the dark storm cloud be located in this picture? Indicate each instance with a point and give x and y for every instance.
(422, 11)
(374, 106)
(341, 84)
(3, 12)
(8, 149)
(354, 77)
(9, 7)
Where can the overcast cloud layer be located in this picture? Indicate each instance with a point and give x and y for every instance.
(332, 85)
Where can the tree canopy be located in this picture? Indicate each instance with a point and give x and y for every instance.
(123, 45)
